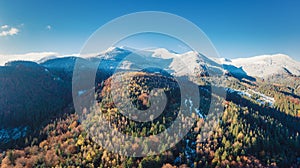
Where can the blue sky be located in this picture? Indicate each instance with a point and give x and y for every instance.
(236, 28)
(150, 40)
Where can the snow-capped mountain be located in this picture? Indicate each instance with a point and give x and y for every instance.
(189, 63)
(180, 64)
(153, 60)
(266, 65)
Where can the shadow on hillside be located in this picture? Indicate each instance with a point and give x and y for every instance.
(290, 94)
(275, 135)
(238, 73)
(288, 121)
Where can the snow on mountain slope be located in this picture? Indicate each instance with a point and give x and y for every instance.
(266, 65)
(125, 58)
(189, 63)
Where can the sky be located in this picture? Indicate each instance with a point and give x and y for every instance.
(150, 40)
(236, 28)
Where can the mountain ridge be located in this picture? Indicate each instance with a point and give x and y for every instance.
(257, 66)
(266, 65)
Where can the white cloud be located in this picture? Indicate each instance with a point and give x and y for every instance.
(4, 27)
(48, 27)
(33, 56)
(6, 31)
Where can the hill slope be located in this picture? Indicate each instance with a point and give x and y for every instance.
(29, 93)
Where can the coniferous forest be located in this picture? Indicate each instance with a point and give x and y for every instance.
(251, 132)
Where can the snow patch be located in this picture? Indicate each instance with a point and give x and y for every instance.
(260, 98)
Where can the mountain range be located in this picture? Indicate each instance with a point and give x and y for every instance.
(123, 58)
(259, 126)
(52, 73)
(196, 63)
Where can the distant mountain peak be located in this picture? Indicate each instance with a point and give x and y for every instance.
(269, 56)
(111, 49)
(115, 49)
(163, 50)
(268, 65)
(224, 60)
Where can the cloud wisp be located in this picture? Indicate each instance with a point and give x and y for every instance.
(48, 27)
(6, 30)
(4, 27)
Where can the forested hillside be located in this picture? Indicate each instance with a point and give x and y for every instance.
(249, 133)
